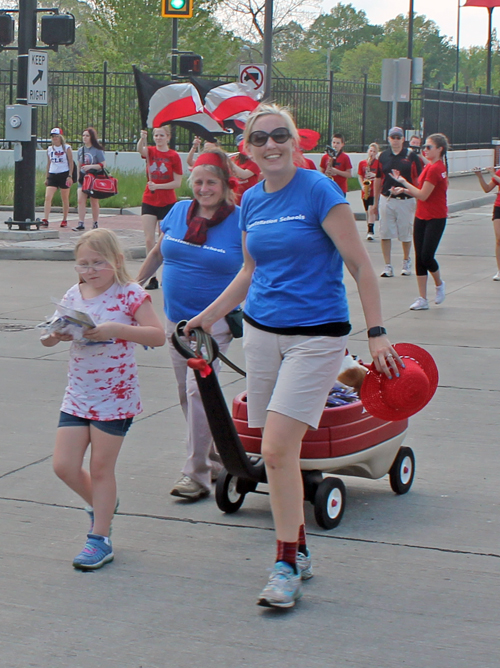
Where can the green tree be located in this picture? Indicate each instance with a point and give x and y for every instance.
(428, 43)
(341, 30)
(366, 59)
(126, 32)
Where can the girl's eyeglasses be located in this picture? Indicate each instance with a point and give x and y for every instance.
(278, 135)
(428, 147)
(97, 266)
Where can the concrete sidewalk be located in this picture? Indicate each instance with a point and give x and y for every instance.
(57, 244)
(403, 581)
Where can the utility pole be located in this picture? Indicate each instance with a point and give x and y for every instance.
(268, 46)
(25, 169)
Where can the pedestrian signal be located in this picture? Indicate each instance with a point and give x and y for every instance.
(177, 9)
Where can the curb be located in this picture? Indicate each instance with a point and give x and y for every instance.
(139, 252)
(134, 253)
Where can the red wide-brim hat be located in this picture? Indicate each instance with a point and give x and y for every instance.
(393, 399)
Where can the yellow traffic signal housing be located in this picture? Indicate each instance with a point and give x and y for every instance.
(177, 9)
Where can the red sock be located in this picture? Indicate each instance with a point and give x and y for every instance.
(286, 552)
(302, 539)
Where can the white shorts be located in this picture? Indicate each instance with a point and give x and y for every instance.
(290, 375)
(396, 218)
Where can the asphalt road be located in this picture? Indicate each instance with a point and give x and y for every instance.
(407, 581)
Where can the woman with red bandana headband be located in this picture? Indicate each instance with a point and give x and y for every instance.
(200, 249)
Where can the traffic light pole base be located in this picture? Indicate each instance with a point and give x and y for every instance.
(24, 224)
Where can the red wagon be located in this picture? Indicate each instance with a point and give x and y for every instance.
(349, 441)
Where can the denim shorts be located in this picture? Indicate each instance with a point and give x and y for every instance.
(113, 427)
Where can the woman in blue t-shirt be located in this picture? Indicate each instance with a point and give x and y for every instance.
(200, 249)
(297, 231)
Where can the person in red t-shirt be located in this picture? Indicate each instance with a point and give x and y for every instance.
(245, 170)
(367, 171)
(430, 216)
(308, 142)
(164, 172)
(339, 168)
(488, 187)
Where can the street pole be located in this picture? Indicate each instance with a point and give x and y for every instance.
(490, 30)
(408, 123)
(458, 46)
(410, 31)
(268, 46)
(175, 54)
(25, 169)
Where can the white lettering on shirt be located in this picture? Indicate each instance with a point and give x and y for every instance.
(188, 243)
(282, 219)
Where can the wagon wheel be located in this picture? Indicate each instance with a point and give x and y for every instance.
(227, 497)
(402, 471)
(329, 503)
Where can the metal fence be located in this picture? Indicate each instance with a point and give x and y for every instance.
(108, 101)
(469, 120)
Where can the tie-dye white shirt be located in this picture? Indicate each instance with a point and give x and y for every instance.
(102, 377)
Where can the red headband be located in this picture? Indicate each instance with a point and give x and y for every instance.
(210, 158)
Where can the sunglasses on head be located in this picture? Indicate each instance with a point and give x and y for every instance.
(278, 135)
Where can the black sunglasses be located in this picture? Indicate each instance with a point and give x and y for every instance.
(395, 136)
(278, 135)
(428, 147)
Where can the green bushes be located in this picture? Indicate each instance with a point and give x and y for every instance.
(130, 190)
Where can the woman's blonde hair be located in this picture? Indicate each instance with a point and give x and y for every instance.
(222, 174)
(271, 109)
(105, 242)
(375, 146)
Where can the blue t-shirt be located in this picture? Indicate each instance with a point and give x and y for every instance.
(193, 276)
(298, 277)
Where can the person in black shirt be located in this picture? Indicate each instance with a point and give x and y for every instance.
(396, 211)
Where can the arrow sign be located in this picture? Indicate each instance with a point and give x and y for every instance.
(37, 76)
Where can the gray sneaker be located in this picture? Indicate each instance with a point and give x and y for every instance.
(388, 272)
(283, 589)
(189, 489)
(406, 269)
(304, 565)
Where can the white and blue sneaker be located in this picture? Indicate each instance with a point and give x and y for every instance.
(95, 554)
(283, 589)
(304, 565)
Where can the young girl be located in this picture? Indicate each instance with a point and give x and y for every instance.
(91, 159)
(430, 216)
(164, 171)
(102, 395)
(367, 171)
(58, 175)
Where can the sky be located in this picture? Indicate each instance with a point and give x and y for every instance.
(473, 20)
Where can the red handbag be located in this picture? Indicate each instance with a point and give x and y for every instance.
(100, 186)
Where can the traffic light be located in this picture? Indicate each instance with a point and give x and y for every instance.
(6, 29)
(190, 63)
(177, 9)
